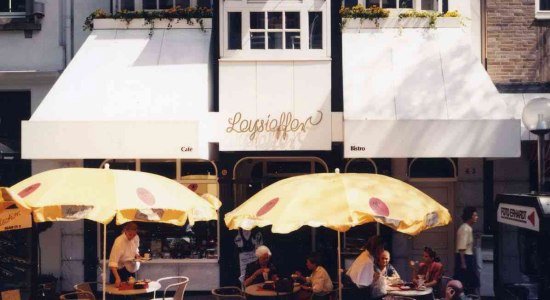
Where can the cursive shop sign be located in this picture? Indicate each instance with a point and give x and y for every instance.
(280, 126)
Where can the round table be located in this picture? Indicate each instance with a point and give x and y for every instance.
(113, 290)
(396, 291)
(256, 290)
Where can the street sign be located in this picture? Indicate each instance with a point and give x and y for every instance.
(520, 216)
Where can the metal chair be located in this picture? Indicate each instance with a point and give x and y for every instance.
(180, 285)
(473, 297)
(228, 293)
(77, 295)
(86, 286)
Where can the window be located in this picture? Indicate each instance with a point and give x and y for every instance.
(315, 30)
(542, 9)
(134, 5)
(235, 30)
(382, 3)
(12, 6)
(275, 30)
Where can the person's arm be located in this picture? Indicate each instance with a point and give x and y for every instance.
(395, 274)
(114, 258)
(136, 241)
(436, 276)
(117, 277)
(250, 275)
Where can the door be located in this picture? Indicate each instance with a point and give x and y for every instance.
(440, 239)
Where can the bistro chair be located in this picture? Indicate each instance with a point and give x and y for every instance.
(228, 293)
(180, 285)
(473, 297)
(77, 295)
(86, 286)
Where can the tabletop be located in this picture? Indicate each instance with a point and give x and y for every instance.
(113, 290)
(257, 290)
(396, 291)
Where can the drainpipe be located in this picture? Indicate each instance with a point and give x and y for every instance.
(483, 15)
(63, 30)
(72, 28)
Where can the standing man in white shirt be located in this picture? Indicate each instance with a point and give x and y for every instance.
(123, 254)
(465, 262)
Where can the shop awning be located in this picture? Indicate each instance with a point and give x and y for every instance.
(421, 93)
(127, 94)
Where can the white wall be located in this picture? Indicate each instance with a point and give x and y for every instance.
(45, 50)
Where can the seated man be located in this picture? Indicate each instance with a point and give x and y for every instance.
(454, 291)
(384, 273)
(319, 283)
(260, 270)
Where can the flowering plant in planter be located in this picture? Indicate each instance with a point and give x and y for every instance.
(177, 13)
(431, 15)
(373, 13)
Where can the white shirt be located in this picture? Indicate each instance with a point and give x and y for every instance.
(123, 253)
(361, 270)
(465, 239)
(320, 280)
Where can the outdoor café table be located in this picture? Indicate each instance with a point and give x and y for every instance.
(113, 290)
(256, 290)
(413, 293)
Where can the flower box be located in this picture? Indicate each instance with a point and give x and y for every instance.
(110, 23)
(395, 22)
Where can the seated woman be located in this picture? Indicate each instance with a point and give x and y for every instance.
(260, 270)
(383, 270)
(319, 283)
(430, 268)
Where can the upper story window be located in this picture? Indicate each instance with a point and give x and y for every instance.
(134, 5)
(414, 4)
(275, 30)
(12, 7)
(390, 3)
(542, 10)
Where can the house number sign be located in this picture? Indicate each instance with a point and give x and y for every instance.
(284, 124)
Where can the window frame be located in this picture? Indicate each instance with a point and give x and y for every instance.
(541, 14)
(138, 5)
(17, 14)
(266, 30)
(416, 4)
(245, 7)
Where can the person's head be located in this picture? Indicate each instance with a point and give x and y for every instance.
(429, 255)
(383, 259)
(263, 254)
(130, 230)
(469, 215)
(313, 261)
(454, 290)
(375, 245)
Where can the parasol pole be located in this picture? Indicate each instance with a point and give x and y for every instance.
(104, 257)
(339, 274)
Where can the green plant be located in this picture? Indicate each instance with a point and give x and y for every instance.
(190, 14)
(373, 13)
(431, 15)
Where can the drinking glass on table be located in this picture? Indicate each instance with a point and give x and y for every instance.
(265, 273)
(421, 280)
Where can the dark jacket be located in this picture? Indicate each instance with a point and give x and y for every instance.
(254, 266)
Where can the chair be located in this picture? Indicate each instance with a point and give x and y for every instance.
(473, 297)
(86, 287)
(397, 298)
(180, 285)
(228, 293)
(77, 295)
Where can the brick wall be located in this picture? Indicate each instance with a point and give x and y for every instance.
(517, 45)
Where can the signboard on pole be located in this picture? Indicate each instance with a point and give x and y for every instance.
(520, 216)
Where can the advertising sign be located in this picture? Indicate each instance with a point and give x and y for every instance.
(11, 219)
(520, 216)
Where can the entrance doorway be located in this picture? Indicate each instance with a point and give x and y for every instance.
(250, 175)
(437, 178)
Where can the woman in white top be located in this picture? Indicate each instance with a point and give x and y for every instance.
(465, 262)
(123, 254)
(319, 282)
